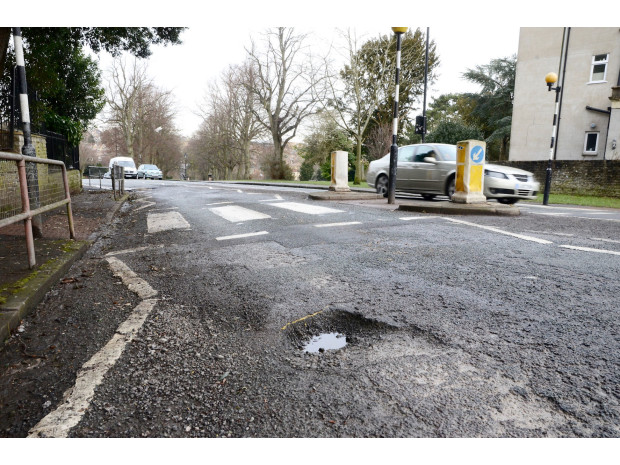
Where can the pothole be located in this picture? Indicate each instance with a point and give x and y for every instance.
(333, 330)
(325, 341)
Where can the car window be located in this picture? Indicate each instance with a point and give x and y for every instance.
(423, 152)
(405, 153)
(128, 164)
(448, 152)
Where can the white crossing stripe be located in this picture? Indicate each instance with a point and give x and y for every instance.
(238, 236)
(336, 224)
(409, 218)
(236, 214)
(220, 203)
(490, 228)
(305, 208)
(588, 249)
(157, 222)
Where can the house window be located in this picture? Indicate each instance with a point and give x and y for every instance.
(591, 143)
(599, 68)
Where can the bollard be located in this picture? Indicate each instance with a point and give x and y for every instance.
(469, 172)
(340, 172)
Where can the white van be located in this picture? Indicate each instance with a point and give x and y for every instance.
(127, 163)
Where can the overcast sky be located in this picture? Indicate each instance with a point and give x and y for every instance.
(467, 33)
(207, 51)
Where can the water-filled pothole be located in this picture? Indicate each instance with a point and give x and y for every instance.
(326, 341)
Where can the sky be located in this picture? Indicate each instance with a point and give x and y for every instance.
(467, 33)
(206, 51)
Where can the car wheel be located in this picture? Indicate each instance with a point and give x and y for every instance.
(451, 187)
(507, 200)
(381, 185)
(428, 196)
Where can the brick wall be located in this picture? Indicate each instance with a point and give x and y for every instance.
(592, 177)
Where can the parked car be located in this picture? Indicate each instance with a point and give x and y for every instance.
(127, 163)
(149, 171)
(107, 175)
(430, 170)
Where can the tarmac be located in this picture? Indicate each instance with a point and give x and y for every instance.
(22, 289)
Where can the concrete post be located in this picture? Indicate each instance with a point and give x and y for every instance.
(340, 172)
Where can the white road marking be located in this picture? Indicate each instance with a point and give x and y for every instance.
(236, 214)
(76, 400)
(130, 279)
(238, 236)
(157, 222)
(490, 228)
(605, 240)
(278, 197)
(552, 233)
(137, 249)
(588, 249)
(599, 219)
(240, 191)
(559, 208)
(550, 214)
(409, 218)
(328, 225)
(306, 208)
(146, 205)
(219, 203)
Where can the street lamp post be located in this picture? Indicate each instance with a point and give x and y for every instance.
(399, 31)
(551, 79)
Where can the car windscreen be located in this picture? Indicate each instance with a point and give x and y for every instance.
(448, 152)
(128, 164)
(150, 167)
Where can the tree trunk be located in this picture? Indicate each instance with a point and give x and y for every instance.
(358, 163)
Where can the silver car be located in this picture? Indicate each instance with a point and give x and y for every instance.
(149, 171)
(430, 170)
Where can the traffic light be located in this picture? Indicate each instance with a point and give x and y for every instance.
(420, 125)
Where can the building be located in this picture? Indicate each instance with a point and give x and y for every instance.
(589, 123)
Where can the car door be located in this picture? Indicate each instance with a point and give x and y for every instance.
(424, 175)
(404, 167)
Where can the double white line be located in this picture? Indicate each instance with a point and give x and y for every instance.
(76, 400)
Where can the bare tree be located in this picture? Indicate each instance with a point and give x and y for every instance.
(285, 89)
(354, 97)
(379, 141)
(123, 90)
(143, 114)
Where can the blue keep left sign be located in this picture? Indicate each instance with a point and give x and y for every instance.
(477, 155)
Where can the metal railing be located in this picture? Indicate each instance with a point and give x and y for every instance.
(50, 192)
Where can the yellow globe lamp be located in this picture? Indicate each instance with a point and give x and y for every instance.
(551, 79)
(400, 30)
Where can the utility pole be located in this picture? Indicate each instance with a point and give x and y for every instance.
(27, 149)
(399, 31)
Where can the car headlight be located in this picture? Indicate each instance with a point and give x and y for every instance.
(495, 174)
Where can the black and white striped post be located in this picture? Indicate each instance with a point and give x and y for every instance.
(27, 149)
(399, 31)
(551, 79)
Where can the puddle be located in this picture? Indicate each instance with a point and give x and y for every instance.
(326, 341)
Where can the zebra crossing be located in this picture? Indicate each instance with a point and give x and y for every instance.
(232, 213)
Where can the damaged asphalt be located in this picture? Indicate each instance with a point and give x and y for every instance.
(447, 335)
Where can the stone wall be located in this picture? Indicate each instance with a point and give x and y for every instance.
(592, 177)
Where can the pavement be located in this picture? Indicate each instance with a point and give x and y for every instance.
(21, 289)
